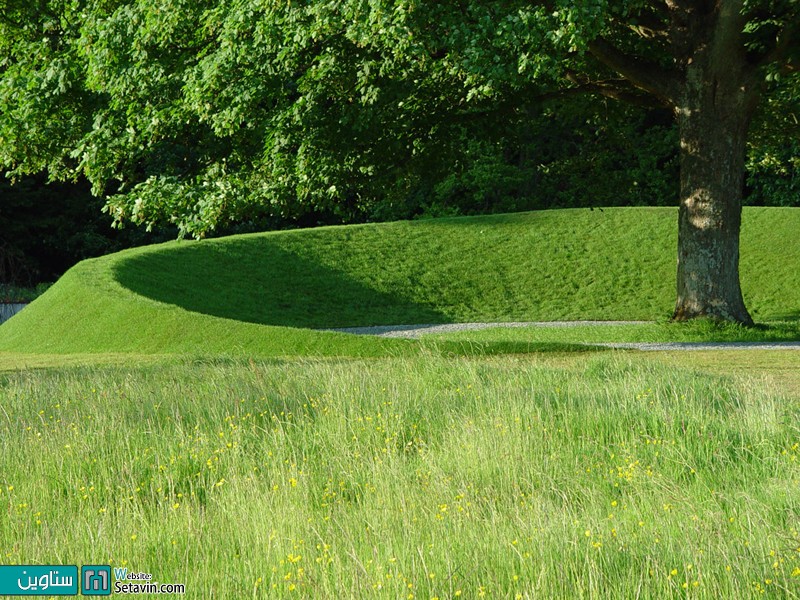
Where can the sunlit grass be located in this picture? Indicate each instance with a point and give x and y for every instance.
(260, 294)
(663, 331)
(571, 476)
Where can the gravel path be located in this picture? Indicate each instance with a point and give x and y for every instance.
(416, 331)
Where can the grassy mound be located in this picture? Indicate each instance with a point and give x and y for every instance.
(89, 311)
(254, 293)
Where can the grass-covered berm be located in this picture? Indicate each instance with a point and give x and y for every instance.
(263, 294)
(547, 476)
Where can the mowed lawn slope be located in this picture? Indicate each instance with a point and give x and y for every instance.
(263, 293)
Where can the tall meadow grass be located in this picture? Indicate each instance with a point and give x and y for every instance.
(425, 477)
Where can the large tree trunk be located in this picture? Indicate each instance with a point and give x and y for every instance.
(710, 214)
(714, 113)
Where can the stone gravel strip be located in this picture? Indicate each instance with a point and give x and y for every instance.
(415, 331)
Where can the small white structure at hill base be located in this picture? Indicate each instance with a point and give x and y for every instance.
(8, 310)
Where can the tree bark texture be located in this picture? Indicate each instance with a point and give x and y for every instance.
(714, 110)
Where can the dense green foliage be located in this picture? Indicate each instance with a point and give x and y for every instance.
(250, 294)
(203, 112)
(774, 154)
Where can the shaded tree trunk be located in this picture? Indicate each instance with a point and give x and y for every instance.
(713, 87)
(714, 111)
(710, 214)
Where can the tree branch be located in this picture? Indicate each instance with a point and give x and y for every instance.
(616, 89)
(681, 5)
(786, 39)
(647, 76)
(649, 26)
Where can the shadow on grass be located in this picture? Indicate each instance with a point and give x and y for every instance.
(787, 329)
(499, 348)
(256, 281)
(791, 315)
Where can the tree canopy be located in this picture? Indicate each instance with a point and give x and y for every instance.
(199, 112)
